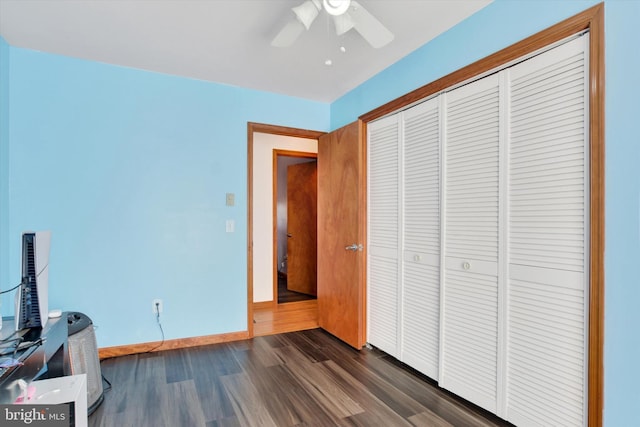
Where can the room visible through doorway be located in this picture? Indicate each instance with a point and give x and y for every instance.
(295, 199)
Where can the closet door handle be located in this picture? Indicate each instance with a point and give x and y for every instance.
(354, 247)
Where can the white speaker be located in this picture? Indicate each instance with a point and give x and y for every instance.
(83, 357)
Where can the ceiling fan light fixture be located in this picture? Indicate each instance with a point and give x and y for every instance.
(336, 7)
(307, 12)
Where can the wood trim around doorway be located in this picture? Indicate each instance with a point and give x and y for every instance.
(591, 20)
(274, 130)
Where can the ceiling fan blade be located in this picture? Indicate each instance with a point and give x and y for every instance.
(289, 34)
(369, 27)
(307, 12)
(343, 23)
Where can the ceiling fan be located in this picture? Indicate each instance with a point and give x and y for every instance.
(346, 14)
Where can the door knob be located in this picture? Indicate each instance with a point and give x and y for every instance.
(354, 247)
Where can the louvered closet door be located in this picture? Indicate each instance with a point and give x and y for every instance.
(547, 300)
(421, 255)
(471, 200)
(383, 234)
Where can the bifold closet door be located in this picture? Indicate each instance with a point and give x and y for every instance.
(420, 290)
(383, 266)
(479, 238)
(469, 343)
(548, 207)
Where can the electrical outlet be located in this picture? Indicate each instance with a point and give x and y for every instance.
(157, 306)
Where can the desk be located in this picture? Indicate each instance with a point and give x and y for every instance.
(49, 359)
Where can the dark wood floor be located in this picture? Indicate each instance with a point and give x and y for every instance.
(305, 378)
(285, 295)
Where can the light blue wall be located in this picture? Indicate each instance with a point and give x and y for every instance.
(5, 283)
(622, 209)
(505, 22)
(129, 170)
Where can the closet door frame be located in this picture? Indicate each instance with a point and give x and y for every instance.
(591, 20)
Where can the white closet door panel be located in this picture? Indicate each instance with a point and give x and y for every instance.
(464, 265)
(546, 358)
(382, 252)
(471, 199)
(469, 366)
(471, 185)
(421, 317)
(421, 238)
(422, 178)
(384, 195)
(548, 222)
(559, 278)
(383, 234)
(383, 304)
(422, 258)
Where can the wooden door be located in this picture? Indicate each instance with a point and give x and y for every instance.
(341, 223)
(302, 191)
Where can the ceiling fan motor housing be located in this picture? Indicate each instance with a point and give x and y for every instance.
(336, 7)
(346, 15)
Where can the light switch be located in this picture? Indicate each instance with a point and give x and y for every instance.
(231, 199)
(231, 226)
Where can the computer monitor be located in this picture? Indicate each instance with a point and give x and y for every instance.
(32, 298)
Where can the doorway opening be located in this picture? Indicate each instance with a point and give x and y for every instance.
(264, 315)
(340, 305)
(295, 226)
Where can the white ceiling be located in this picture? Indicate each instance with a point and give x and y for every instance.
(227, 41)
